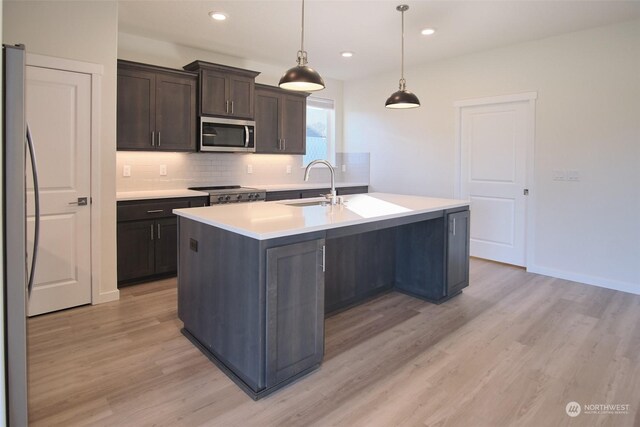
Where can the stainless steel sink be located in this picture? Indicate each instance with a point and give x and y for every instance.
(310, 203)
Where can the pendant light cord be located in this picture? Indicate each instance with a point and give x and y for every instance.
(302, 32)
(402, 50)
(402, 84)
(302, 54)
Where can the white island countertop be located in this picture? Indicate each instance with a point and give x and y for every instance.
(268, 220)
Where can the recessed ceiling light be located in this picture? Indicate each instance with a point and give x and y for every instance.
(218, 16)
(346, 54)
(428, 31)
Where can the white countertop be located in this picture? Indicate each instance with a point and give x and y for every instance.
(306, 186)
(157, 194)
(268, 220)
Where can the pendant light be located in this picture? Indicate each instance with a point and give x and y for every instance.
(302, 77)
(402, 98)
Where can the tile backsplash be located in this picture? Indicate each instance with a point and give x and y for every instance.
(185, 170)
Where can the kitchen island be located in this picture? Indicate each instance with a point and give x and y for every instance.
(256, 280)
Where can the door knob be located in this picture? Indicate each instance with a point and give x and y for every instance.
(82, 201)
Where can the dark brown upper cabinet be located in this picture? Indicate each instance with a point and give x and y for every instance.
(281, 121)
(225, 91)
(156, 108)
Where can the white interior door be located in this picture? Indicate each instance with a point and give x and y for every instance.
(494, 144)
(59, 116)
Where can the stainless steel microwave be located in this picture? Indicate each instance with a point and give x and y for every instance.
(227, 135)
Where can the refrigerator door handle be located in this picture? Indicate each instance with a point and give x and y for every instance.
(36, 197)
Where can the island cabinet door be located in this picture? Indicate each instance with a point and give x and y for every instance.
(295, 309)
(458, 252)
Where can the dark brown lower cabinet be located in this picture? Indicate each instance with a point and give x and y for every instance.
(295, 309)
(458, 252)
(135, 250)
(148, 238)
(314, 192)
(165, 245)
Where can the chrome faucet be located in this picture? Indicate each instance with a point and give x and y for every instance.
(333, 197)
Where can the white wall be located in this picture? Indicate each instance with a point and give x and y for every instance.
(84, 31)
(150, 51)
(587, 119)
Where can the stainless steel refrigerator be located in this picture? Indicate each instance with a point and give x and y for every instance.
(18, 268)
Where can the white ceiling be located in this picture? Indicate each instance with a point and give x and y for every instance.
(269, 31)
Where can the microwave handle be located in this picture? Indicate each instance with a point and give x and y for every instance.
(246, 136)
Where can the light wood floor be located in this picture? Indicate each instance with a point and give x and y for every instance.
(513, 349)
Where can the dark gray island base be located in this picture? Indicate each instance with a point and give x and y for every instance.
(256, 308)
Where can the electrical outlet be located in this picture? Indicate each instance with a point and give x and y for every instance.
(249, 168)
(163, 170)
(344, 168)
(573, 175)
(288, 169)
(126, 170)
(558, 175)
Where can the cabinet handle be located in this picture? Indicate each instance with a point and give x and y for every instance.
(151, 227)
(158, 231)
(284, 144)
(226, 106)
(153, 138)
(159, 139)
(454, 226)
(279, 143)
(323, 258)
(231, 107)
(155, 211)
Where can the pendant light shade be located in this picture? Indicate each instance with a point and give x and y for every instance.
(402, 98)
(302, 77)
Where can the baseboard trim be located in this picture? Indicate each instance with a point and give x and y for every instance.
(107, 297)
(587, 280)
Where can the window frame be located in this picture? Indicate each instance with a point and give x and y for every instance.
(329, 105)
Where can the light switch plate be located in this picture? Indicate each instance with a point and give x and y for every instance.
(288, 169)
(249, 168)
(558, 175)
(163, 170)
(344, 168)
(573, 175)
(126, 170)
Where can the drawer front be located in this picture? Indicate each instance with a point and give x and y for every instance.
(283, 195)
(130, 211)
(343, 191)
(316, 192)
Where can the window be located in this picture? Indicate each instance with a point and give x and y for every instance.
(320, 131)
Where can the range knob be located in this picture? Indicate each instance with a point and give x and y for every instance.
(227, 198)
(220, 198)
(239, 197)
(250, 196)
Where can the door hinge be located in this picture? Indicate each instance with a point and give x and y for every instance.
(525, 192)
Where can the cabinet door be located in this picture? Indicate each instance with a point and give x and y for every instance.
(295, 309)
(267, 122)
(136, 241)
(294, 124)
(175, 113)
(214, 93)
(166, 241)
(458, 252)
(136, 109)
(241, 92)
